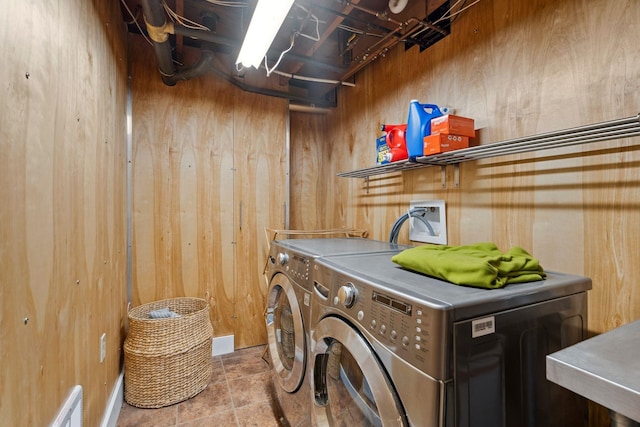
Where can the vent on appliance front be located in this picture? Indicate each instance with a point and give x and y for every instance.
(70, 414)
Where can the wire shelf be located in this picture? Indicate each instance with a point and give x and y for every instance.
(604, 131)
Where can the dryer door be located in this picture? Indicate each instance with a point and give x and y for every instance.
(351, 387)
(285, 333)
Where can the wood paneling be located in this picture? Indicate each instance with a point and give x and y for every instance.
(308, 186)
(206, 156)
(62, 206)
(260, 124)
(182, 189)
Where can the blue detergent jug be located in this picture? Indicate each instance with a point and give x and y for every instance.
(419, 126)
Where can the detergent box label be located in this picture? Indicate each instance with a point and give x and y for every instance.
(383, 154)
(434, 144)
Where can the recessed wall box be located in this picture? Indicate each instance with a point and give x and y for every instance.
(431, 227)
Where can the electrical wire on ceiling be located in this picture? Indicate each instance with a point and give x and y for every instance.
(317, 36)
(358, 31)
(178, 18)
(271, 70)
(315, 18)
(293, 39)
(451, 15)
(228, 3)
(182, 20)
(135, 21)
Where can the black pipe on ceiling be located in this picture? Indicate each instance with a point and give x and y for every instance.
(203, 66)
(317, 102)
(155, 19)
(157, 28)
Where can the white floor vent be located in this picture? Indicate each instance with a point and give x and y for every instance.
(70, 415)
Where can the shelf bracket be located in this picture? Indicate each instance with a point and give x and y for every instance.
(443, 176)
(456, 174)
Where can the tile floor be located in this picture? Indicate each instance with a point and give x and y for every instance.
(240, 394)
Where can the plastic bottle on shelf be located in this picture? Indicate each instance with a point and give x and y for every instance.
(419, 126)
(396, 143)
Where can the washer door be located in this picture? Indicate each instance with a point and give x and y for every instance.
(350, 384)
(285, 333)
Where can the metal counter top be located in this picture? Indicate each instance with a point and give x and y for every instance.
(604, 369)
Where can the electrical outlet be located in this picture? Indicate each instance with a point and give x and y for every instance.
(103, 346)
(431, 226)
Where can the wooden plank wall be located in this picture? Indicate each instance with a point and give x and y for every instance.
(62, 206)
(201, 149)
(518, 68)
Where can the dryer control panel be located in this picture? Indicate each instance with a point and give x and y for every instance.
(296, 266)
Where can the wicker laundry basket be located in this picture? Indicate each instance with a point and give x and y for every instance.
(167, 360)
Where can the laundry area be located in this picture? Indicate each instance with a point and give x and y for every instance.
(397, 213)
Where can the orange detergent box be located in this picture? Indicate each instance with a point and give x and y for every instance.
(434, 144)
(453, 125)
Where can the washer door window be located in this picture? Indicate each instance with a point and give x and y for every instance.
(285, 333)
(351, 387)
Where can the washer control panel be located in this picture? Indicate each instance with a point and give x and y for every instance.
(411, 329)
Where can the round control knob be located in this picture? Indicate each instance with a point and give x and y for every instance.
(405, 341)
(282, 258)
(383, 329)
(347, 295)
(393, 335)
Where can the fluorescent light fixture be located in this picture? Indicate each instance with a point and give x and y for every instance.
(265, 23)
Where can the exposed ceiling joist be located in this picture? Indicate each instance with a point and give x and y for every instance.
(332, 40)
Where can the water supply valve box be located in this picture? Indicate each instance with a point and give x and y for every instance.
(431, 227)
(453, 125)
(434, 144)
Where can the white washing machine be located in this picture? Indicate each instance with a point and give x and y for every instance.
(395, 348)
(290, 270)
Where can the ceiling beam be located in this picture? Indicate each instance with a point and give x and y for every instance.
(326, 34)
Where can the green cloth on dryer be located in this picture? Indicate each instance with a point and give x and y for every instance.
(480, 265)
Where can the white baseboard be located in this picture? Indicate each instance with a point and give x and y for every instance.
(222, 345)
(114, 405)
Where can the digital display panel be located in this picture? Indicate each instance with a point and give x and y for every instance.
(383, 299)
(393, 303)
